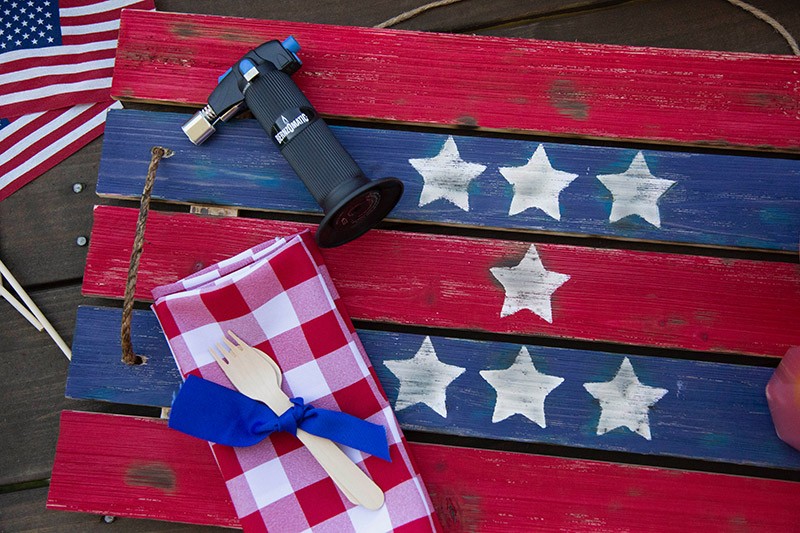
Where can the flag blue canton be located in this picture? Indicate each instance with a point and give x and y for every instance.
(26, 24)
(4, 122)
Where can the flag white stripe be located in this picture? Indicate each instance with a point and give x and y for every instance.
(18, 124)
(53, 51)
(57, 146)
(50, 90)
(108, 5)
(55, 70)
(34, 136)
(111, 25)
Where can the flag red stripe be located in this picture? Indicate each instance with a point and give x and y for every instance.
(92, 38)
(99, 16)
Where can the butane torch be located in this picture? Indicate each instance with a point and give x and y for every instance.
(260, 81)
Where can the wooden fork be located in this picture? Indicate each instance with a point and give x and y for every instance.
(256, 375)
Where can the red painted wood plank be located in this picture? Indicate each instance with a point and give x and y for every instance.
(669, 300)
(129, 466)
(558, 88)
(136, 467)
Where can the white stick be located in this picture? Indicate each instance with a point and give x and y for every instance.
(21, 309)
(35, 310)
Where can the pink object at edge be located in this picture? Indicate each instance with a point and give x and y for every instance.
(783, 397)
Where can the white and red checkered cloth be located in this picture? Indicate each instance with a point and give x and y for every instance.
(279, 297)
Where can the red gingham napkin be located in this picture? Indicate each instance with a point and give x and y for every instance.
(279, 297)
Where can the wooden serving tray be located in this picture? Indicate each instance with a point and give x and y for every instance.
(693, 289)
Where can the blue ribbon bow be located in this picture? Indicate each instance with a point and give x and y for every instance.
(215, 413)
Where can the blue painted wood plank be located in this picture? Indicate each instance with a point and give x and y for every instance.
(710, 411)
(719, 200)
(97, 372)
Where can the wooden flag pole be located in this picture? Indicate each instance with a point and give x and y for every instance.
(35, 310)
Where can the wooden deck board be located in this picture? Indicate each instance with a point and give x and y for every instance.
(24, 511)
(37, 234)
(39, 225)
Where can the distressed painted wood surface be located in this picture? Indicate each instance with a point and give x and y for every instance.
(647, 298)
(500, 391)
(717, 200)
(33, 371)
(136, 467)
(24, 510)
(557, 88)
(153, 471)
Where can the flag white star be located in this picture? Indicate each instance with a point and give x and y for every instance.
(423, 379)
(521, 389)
(529, 285)
(625, 401)
(537, 184)
(636, 192)
(446, 176)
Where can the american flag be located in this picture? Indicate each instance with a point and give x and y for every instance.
(35, 143)
(57, 54)
(56, 63)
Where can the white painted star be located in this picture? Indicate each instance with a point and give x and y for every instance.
(537, 184)
(446, 176)
(529, 285)
(636, 192)
(423, 379)
(625, 401)
(521, 389)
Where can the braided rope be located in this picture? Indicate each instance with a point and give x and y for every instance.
(128, 355)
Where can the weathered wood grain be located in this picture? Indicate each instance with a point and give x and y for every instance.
(565, 89)
(696, 24)
(24, 511)
(470, 14)
(701, 416)
(40, 224)
(166, 479)
(655, 299)
(472, 490)
(32, 373)
(715, 199)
